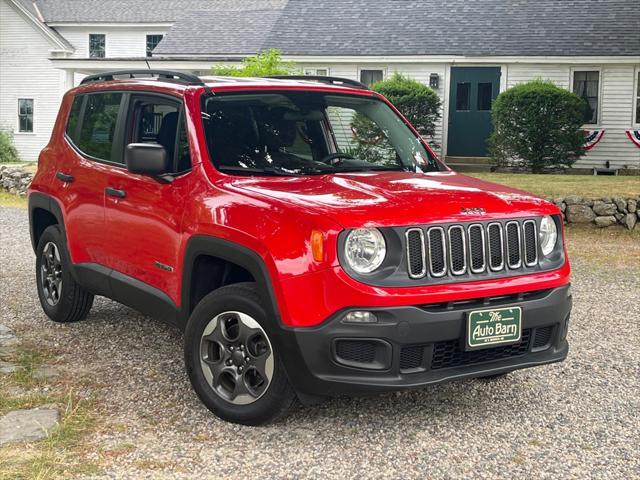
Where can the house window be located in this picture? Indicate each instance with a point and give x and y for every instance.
(463, 97)
(152, 42)
(369, 77)
(25, 115)
(485, 94)
(638, 98)
(586, 84)
(97, 45)
(320, 72)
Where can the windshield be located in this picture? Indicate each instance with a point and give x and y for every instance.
(306, 133)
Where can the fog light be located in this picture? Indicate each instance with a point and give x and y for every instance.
(360, 317)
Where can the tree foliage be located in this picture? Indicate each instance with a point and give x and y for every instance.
(264, 64)
(537, 125)
(417, 102)
(8, 152)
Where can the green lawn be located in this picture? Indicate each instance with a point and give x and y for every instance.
(563, 185)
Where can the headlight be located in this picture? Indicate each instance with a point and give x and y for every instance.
(365, 249)
(548, 235)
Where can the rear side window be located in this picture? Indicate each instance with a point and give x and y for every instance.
(74, 118)
(99, 124)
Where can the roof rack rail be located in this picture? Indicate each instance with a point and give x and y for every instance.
(347, 82)
(186, 78)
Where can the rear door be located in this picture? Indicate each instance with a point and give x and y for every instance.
(143, 215)
(82, 174)
(473, 90)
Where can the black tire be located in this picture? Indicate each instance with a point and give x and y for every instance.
(278, 397)
(73, 302)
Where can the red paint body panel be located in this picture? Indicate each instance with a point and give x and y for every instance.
(272, 216)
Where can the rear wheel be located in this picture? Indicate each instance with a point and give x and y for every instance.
(62, 299)
(231, 360)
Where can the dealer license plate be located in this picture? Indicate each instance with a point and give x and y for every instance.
(497, 326)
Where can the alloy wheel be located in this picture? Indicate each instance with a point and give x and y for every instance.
(236, 357)
(51, 274)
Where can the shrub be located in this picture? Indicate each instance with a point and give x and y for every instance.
(264, 64)
(537, 125)
(8, 152)
(417, 102)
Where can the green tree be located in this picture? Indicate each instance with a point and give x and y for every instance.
(537, 125)
(417, 102)
(264, 64)
(8, 152)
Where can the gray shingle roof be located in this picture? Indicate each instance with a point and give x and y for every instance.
(140, 11)
(375, 27)
(243, 33)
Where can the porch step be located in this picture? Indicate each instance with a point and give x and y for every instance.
(469, 167)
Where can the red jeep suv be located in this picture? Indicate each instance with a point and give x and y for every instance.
(299, 230)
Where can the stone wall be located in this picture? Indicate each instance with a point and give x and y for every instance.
(14, 179)
(601, 212)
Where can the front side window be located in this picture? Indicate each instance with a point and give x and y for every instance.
(25, 115)
(369, 77)
(307, 133)
(152, 43)
(586, 84)
(99, 125)
(97, 45)
(157, 120)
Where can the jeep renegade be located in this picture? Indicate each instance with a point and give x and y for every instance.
(300, 231)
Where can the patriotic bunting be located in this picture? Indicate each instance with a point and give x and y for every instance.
(634, 136)
(593, 137)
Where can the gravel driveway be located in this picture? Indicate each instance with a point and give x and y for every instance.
(577, 419)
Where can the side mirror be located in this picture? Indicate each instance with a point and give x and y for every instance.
(146, 158)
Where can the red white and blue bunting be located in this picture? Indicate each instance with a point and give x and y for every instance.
(634, 136)
(593, 137)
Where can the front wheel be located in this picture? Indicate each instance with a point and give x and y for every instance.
(231, 360)
(62, 299)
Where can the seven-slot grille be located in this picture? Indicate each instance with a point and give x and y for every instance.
(475, 248)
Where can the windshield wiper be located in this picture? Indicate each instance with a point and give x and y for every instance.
(261, 171)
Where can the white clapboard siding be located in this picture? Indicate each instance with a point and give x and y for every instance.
(121, 42)
(616, 108)
(26, 72)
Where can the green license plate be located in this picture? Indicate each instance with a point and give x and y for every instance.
(497, 326)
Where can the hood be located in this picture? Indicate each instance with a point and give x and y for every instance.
(396, 198)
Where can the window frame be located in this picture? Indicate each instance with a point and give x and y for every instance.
(33, 117)
(635, 114)
(368, 68)
(315, 71)
(148, 54)
(89, 45)
(600, 83)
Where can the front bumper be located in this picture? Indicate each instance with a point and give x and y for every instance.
(413, 346)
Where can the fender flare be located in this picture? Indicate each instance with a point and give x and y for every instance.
(38, 200)
(237, 254)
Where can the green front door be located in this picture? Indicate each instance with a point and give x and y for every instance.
(473, 89)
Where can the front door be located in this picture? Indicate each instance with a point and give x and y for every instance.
(473, 90)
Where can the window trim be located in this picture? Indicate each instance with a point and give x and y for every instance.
(587, 68)
(384, 71)
(146, 39)
(635, 98)
(33, 118)
(89, 44)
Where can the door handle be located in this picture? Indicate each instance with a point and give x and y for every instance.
(64, 177)
(114, 192)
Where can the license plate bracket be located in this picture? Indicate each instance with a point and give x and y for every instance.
(493, 327)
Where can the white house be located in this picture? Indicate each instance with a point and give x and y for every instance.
(467, 50)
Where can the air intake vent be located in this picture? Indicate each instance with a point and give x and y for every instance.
(477, 249)
(530, 243)
(411, 357)
(437, 252)
(457, 250)
(496, 247)
(415, 253)
(542, 337)
(513, 245)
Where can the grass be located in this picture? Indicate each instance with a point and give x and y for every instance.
(613, 248)
(7, 200)
(63, 453)
(563, 185)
